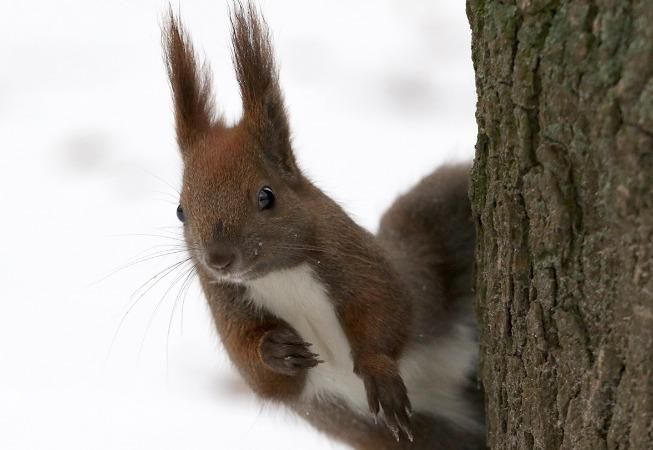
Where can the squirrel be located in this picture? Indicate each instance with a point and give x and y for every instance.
(371, 338)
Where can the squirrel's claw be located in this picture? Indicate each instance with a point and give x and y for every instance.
(387, 395)
(284, 351)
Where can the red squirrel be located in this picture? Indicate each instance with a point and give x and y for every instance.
(370, 338)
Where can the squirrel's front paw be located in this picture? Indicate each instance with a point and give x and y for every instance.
(285, 352)
(386, 394)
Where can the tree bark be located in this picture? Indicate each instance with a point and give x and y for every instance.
(562, 191)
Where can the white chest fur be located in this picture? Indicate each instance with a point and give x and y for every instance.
(296, 296)
(433, 373)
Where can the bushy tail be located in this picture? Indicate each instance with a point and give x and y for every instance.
(432, 227)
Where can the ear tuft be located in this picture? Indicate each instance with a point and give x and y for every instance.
(190, 84)
(263, 105)
(253, 58)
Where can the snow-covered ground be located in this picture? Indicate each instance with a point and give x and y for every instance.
(379, 93)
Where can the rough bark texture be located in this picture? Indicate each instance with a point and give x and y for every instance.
(563, 198)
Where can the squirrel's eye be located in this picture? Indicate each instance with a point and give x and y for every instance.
(180, 214)
(265, 198)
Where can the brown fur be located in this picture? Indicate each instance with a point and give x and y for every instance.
(371, 280)
(242, 330)
(191, 86)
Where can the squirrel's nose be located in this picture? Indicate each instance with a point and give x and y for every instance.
(221, 257)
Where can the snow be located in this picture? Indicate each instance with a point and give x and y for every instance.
(379, 93)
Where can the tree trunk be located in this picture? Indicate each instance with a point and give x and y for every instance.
(562, 193)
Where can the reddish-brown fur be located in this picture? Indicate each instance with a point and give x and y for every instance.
(224, 169)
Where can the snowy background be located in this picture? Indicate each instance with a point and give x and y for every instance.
(89, 172)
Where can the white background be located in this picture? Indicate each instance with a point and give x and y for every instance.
(379, 94)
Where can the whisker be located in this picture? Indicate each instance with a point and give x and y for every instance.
(170, 227)
(189, 274)
(169, 236)
(156, 309)
(328, 251)
(340, 254)
(160, 275)
(160, 179)
(140, 260)
(157, 278)
(183, 301)
(168, 194)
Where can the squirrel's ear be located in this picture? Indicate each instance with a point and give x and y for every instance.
(190, 84)
(263, 105)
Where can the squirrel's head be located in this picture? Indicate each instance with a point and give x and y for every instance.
(241, 201)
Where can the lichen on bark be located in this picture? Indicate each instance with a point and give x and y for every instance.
(562, 191)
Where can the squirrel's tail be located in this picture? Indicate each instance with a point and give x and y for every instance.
(430, 228)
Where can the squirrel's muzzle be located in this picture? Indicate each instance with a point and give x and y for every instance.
(222, 257)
